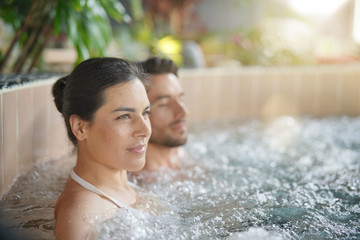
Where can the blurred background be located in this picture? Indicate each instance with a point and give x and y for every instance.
(53, 35)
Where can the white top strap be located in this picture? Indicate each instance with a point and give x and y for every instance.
(133, 185)
(94, 189)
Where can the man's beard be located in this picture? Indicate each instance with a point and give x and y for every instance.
(170, 142)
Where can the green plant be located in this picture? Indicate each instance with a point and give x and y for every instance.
(85, 23)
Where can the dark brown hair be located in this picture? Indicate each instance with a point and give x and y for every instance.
(82, 92)
(157, 65)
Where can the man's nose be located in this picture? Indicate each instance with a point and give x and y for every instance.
(180, 109)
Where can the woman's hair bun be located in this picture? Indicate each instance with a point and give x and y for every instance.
(58, 92)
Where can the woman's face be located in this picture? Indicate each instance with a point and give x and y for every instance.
(118, 135)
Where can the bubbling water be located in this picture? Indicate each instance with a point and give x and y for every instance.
(289, 179)
(28, 208)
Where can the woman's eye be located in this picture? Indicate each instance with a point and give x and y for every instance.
(125, 116)
(182, 97)
(147, 113)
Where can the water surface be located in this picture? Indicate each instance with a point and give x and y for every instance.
(289, 179)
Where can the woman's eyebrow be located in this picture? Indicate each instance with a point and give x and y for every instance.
(124, 109)
(128, 109)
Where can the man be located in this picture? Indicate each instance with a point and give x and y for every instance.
(168, 115)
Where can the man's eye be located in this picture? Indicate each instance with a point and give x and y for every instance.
(163, 104)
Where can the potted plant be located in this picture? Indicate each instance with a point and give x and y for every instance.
(85, 23)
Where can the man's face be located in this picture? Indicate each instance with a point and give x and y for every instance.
(168, 110)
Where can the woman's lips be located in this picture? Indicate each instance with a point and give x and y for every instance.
(140, 149)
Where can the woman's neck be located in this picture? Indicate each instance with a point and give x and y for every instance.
(100, 175)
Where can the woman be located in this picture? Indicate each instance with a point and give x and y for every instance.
(106, 112)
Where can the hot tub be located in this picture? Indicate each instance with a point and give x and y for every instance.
(33, 138)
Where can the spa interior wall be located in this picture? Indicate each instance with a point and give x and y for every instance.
(32, 130)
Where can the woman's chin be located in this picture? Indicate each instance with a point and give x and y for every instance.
(136, 167)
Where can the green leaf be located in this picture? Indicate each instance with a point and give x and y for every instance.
(77, 5)
(115, 10)
(59, 17)
(99, 35)
(11, 16)
(82, 51)
(71, 25)
(136, 9)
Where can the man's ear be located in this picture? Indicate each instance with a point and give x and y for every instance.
(78, 127)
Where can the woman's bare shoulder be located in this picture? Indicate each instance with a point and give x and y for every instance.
(77, 210)
(75, 198)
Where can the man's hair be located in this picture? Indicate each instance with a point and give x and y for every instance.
(158, 65)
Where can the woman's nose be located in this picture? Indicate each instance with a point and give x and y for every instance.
(143, 127)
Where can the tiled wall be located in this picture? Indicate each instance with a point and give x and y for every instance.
(267, 93)
(32, 130)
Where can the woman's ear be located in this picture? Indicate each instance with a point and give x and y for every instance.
(78, 127)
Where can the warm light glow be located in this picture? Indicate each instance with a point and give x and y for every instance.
(171, 47)
(282, 133)
(356, 26)
(317, 7)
